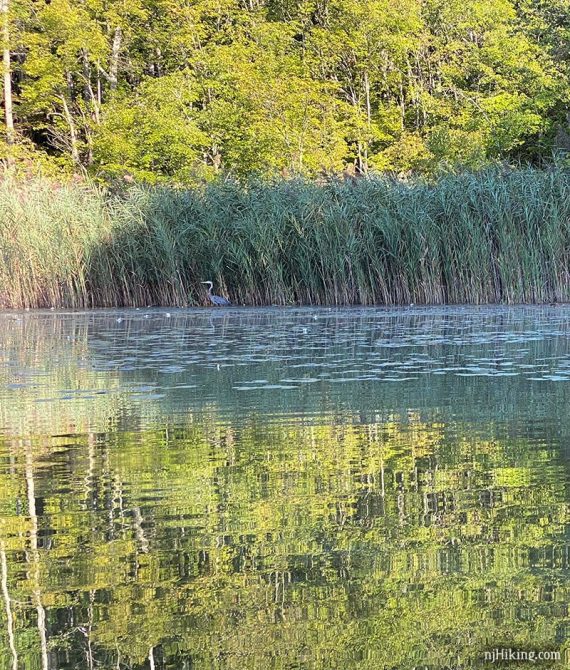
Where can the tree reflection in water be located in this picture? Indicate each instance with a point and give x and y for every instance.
(136, 536)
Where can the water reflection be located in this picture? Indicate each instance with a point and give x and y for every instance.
(155, 515)
(283, 363)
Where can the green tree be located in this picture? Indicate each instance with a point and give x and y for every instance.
(167, 90)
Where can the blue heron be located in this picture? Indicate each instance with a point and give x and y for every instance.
(215, 299)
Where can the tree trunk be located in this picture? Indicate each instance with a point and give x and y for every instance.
(72, 132)
(35, 556)
(8, 606)
(8, 114)
(114, 63)
(368, 119)
(86, 77)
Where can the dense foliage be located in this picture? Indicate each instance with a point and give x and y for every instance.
(169, 90)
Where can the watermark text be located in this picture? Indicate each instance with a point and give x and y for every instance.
(505, 654)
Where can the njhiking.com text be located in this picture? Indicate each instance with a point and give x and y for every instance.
(502, 654)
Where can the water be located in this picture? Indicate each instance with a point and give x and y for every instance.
(287, 489)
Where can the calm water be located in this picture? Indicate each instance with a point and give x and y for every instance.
(288, 489)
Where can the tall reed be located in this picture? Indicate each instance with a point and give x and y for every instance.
(493, 236)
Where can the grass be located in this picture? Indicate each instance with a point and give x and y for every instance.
(490, 237)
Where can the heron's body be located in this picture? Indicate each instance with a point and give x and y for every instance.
(216, 299)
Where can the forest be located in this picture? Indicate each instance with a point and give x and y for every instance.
(291, 151)
(179, 92)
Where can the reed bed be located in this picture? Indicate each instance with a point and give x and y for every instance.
(498, 236)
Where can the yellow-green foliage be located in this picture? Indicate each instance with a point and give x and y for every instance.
(390, 544)
(180, 92)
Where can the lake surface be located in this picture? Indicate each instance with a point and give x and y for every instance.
(283, 488)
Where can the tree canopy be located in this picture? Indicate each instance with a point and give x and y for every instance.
(183, 91)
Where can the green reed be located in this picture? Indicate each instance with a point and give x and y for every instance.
(494, 236)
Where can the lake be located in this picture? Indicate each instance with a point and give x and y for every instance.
(283, 488)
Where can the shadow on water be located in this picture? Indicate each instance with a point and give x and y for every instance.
(282, 488)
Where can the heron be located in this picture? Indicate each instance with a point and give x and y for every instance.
(215, 299)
